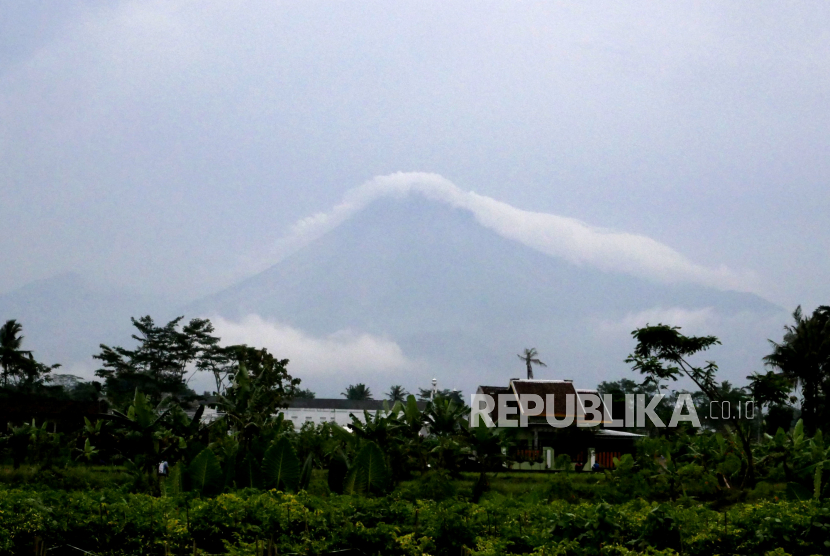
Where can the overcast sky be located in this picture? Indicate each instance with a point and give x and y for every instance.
(168, 146)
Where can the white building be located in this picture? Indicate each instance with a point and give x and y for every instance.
(334, 410)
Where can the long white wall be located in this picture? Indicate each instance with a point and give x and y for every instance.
(342, 417)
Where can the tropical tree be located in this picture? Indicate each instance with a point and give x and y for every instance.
(488, 447)
(445, 417)
(303, 394)
(19, 367)
(149, 435)
(425, 394)
(12, 358)
(803, 357)
(663, 353)
(357, 391)
(397, 393)
(618, 390)
(164, 356)
(261, 386)
(530, 359)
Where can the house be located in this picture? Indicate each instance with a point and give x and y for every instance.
(559, 419)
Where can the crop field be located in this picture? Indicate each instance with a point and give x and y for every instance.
(523, 513)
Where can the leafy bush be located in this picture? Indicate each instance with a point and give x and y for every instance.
(434, 485)
(111, 522)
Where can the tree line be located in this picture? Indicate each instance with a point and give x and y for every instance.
(148, 390)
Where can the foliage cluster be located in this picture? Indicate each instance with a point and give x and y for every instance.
(255, 522)
(710, 466)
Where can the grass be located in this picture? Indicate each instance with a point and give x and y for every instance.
(75, 477)
(530, 487)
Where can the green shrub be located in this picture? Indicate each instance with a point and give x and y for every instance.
(434, 485)
(111, 522)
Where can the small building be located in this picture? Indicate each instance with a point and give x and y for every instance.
(540, 442)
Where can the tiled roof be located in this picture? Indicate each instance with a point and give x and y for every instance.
(493, 390)
(559, 389)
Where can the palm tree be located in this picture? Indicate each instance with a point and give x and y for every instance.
(357, 391)
(803, 357)
(397, 394)
(530, 359)
(13, 360)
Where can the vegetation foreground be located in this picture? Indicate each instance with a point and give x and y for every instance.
(523, 514)
(151, 476)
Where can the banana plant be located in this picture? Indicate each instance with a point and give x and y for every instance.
(20, 438)
(796, 458)
(256, 394)
(281, 467)
(445, 417)
(205, 474)
(488, 448)
(369, 474)
(146, 435)
(88, 451)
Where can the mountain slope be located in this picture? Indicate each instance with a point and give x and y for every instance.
(457, 296)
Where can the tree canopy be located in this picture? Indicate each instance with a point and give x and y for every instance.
(530, 359)
(803, 359)
(357, 391)
(20, 370)
(397, 393)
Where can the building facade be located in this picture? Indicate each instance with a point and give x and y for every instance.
(334, 410)
(581, 424)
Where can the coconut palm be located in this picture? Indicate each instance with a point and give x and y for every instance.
(530, 359)
(12, 358)
(397, 393)
(357, 391)
(803, 356)
(19, 368)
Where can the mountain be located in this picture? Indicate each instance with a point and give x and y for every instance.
(407, 288)
(462, 300)
(66, 317)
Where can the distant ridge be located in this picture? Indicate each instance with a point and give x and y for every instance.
(66, 317)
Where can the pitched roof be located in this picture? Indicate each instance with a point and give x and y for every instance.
(493, 390)
(556, 390)
(559, 389)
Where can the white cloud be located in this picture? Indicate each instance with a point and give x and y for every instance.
(343, 351)
(691, 321)
(558, 236)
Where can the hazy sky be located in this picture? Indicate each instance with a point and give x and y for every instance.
(168, 146)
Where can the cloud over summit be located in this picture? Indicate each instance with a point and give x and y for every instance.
(558, 236)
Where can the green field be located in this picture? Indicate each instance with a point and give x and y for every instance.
(91, 508)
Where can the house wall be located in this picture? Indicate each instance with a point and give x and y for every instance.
(342, 417)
